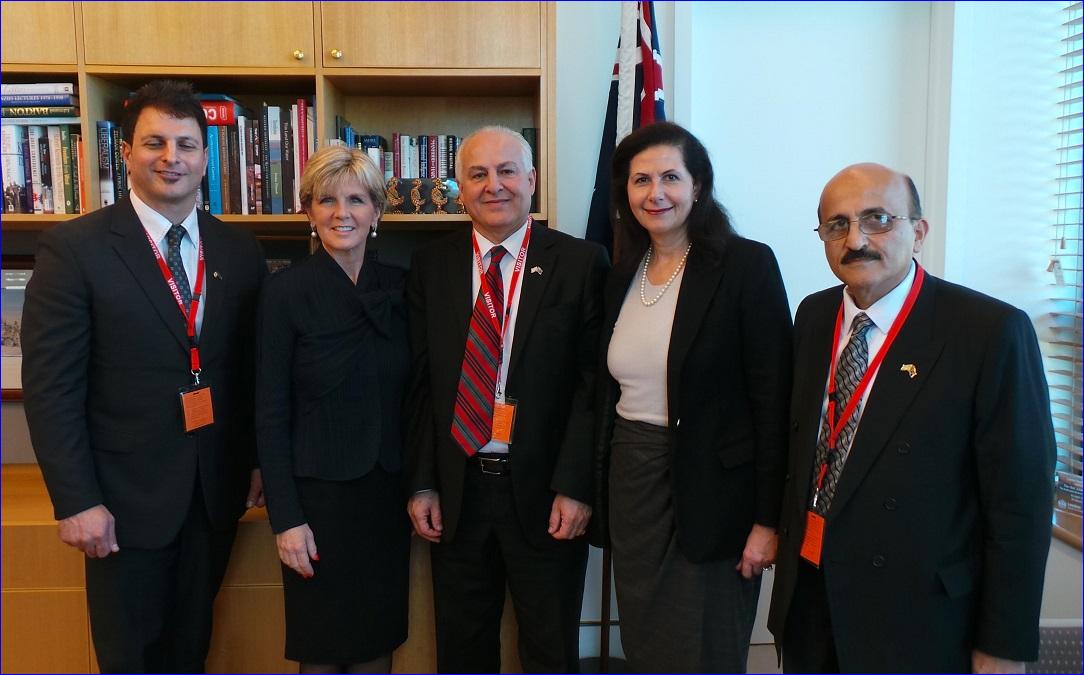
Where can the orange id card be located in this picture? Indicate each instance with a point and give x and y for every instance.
(504, 419)
(196, 406)
(814, 537)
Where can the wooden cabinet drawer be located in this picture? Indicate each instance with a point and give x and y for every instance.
(38, 32)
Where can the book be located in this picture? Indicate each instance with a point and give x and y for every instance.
(56, 163)
(214, 173)
(79, 186)
(8, 100)
(256, 204)
(48, 202)
(265, 159)
(120, 169)
(11, 142)
(224, 168)
(244, 162)
(302, 140)
(38, 88)
(221, 112)
(33, 138)
(68, 176)
(235, 167)
(39, 111)
(295, 157)
(24, 121)
(274, 153)
(105, 163)
(287, 164)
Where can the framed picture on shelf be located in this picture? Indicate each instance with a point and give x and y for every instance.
(16, 274)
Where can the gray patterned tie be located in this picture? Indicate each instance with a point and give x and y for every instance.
(849, 371)
(173, 260)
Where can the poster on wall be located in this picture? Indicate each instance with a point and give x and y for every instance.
(16, 274)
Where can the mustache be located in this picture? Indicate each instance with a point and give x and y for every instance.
(861, 254)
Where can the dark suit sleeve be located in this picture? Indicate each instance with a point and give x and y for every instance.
(274, 406)
(767, 336)
(572, 475)
(56, 350)
(1014, 449)
(418, 414)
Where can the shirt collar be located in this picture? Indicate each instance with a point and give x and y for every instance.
(158, 225)
(511, 244)
(884, 311)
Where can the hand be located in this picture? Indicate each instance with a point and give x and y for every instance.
(424, 510)
(255, 490)
(568, 518)
(296, 547)
(759, 553)
(981, 662)
(92, 531)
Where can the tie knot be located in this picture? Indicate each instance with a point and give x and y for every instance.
(175, 234)
(861, 325)
(495, 254)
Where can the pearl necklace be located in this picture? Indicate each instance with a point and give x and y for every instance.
(666, 286)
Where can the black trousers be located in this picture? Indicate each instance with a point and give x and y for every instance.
(808, 645)
(469, 577)
(151, 609)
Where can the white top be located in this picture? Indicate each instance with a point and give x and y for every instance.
(157, 226)
(508, 263)
(639, 349)
(883, 313)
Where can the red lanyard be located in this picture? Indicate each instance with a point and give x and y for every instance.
(501, 326)
(836, 426)
(190, 314)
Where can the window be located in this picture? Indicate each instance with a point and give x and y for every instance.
(1063, 337)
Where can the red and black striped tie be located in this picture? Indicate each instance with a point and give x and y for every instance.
(472, 424)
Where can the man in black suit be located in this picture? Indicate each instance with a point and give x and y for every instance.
(915, 522)
(149, 492)
(499, 463)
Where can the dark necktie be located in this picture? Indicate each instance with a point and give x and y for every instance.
(849, 372)
(472, 423)
(173, 260)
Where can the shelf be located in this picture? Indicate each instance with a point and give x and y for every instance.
(490, 82)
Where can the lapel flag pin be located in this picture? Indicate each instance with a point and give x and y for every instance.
(910, 369)
(536, 270)
(216, 275)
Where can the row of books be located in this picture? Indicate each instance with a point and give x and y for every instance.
(255, 162)
(43, 169)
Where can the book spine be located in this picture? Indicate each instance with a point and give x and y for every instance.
(220, 112)
(120, 169)
(274, 145)
(287, 165)
(295, 157)
(67, 176)
(396, 156)
(232, 133)
(302, 127)
(224, 168)
(24, 150)
(48, 203)
(265, 159)
(423, 156)
(39, 111)
(244, 152)
(105, 163)
(38, 88)
(79, 187)
(33, 136)
(11, 141)
(56, 164)
(310, 127)
(257, 169)
(434, 157)
(214, 172)
(38, 99)
(442, 156)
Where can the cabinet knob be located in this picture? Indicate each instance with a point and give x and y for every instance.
(299, 55)
(336, 53)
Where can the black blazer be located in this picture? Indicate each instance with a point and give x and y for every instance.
(332, 371)
(551, 372)
(104, 354)
(728, 374)
(936, 540)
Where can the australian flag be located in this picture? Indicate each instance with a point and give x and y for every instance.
(636, 99)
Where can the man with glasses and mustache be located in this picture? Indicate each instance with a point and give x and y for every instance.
(916, 513)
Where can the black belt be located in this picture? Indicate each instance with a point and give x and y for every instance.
(492, 465)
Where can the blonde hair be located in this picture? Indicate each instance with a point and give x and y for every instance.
(331, 165)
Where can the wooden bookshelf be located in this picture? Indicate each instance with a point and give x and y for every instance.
(412, 70)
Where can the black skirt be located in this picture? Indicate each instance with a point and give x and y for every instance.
(354, 608)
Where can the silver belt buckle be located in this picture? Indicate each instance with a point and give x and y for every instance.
(491, 466)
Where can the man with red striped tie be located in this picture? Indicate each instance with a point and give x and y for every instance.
(504, 332)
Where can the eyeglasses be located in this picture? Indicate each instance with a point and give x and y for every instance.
(868, 223)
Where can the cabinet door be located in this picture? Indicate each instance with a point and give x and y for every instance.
(38, 32)
(432, 34)
(271, 34)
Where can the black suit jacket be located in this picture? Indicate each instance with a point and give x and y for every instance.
(727, 382)
(937, 537)
(551, 372)
(104, 355)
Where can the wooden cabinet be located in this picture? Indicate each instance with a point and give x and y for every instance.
(432, 34)
(38, 32)
(230, 34)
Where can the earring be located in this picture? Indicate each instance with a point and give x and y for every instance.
(313, 232)
(372, 230)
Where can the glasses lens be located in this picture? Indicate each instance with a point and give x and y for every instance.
(834, 229)
(873, 223)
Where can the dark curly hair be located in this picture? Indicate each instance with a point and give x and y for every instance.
(174, 98)
(708, 222)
